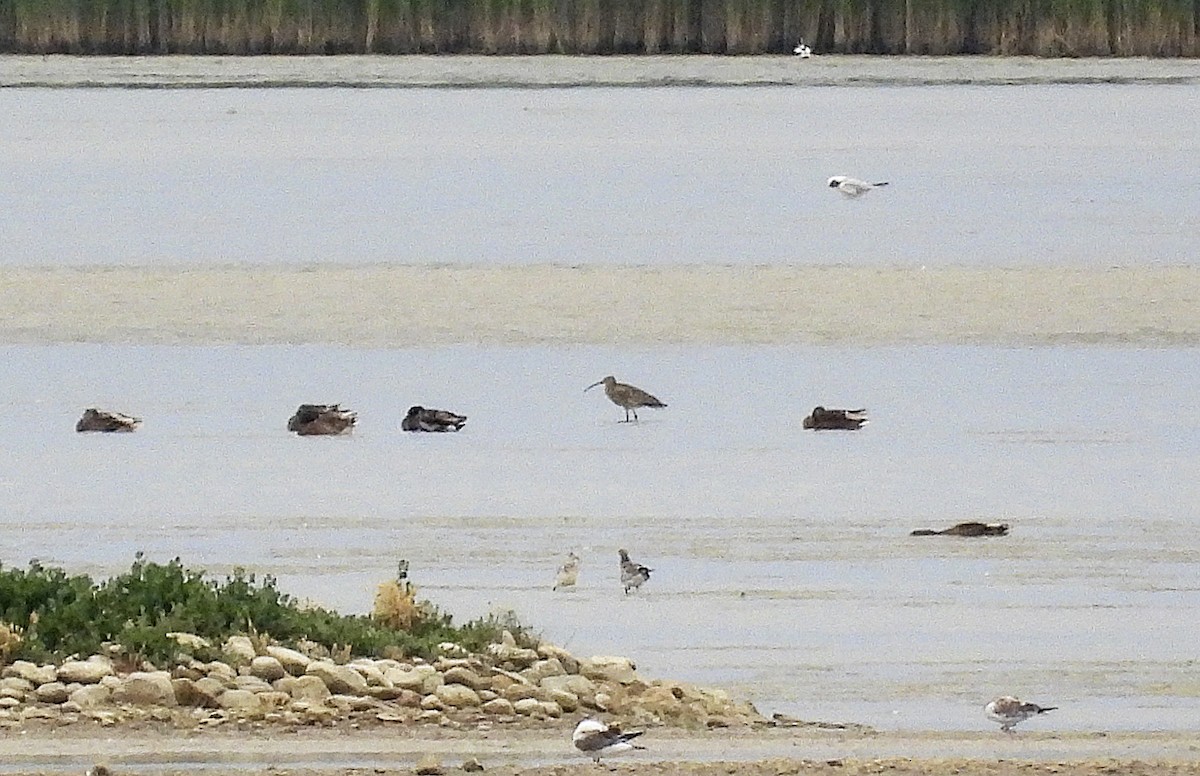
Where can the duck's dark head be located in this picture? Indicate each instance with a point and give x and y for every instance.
(414, 411)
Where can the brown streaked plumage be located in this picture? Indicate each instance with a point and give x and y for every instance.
(322, 420)
(422, 419)
(1008, 711)
(625, 396)
(103, 420)
(822, 419)
(966, 529)
(568, 573)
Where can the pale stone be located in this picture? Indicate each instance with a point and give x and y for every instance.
(609, 668)
(242, 701)
(542, 669)
(341, 680)
(568, 661)
(579, 686)
(465, 676)
(411, 679)
(295, 663)
(450, 649)
(52, 692)
(238, 650)
(431, 683)
(9, 703)
(458, 696)
(30, 672)
(84, 671)
(528, 707)
(565, 700)
(432, 703)
(251, 683)
(304, 688)
(515, 656)
(499, 707)
(223, 672)
(520, 692)
(429, 765)
(551, 709)
(267, 668)
(190, 641)
(16, 687)
(274, 699)
(373, 675)
(431, 715)
(142, 688)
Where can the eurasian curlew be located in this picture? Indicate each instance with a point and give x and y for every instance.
(625, 396)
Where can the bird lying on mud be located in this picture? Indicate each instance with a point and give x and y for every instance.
(633, 575)
(822, 419)
(594, 738)
(103, 420)
(1008, 711)
(853, 187)
(568, 573)
(966, 529)
(627, 396)
(322, 420)
(421, 419)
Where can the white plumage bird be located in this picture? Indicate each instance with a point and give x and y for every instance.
(568, 573)
(853, 187)
(596, 739)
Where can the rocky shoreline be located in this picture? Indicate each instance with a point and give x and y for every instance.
(508, 684)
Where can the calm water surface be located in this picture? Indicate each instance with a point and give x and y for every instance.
(783, 568)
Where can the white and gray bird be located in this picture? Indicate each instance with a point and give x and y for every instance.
(596, 739)
(633, 575)
(1008, 711)
(802, 50)
(853, 187)
(568, 573)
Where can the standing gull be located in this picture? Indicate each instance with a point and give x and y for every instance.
(853, 187)
(633, 575)
(594, 738)
(1008, 711)
(568, 573)
(626, 396)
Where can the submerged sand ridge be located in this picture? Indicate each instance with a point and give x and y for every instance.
(410, 306)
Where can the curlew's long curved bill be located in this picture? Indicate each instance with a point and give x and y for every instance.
(593, 385)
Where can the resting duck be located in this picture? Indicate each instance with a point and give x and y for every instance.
(822, 419)
(102, 420)
(966, 529)
(421, 419)
(322, 420)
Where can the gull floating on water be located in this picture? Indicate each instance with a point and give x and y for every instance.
(633, 575)
(594, 738)
(568, 573)
(627, 396)
(1008, 711)
(103, 420)
(421, 419)
(853, 187)
(322, 420)
(822, 419)
(802, 50)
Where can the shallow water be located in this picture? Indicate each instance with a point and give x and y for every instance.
(783, 569)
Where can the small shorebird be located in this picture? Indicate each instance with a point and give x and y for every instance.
(594, 738)
(98, 770)
(322, 420)
(1008, 711)
(103, 420)
(802, 50)
(626, 396)
(853, 187)
(822, 419)
(568, 573)
(421, 419)
(633, 575)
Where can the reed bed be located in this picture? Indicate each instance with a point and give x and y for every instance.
(1157, 28)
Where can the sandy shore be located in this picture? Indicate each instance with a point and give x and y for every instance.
(395, 749)
(407, 306)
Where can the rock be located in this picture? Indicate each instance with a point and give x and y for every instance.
(542, 669)
(579, 686)
(472, 765)
(267, 668)
(551, 709)
(499, 707)
(517, 657)
(568, 661)
(16, 687)
(274, 699)
(529, 707)
(429, 765)
(223, 672)
(432, 703)
(465, 676)
(450, 649)
(84, 671)
(457, 696)
(9, 703)
(52, 692)
(518, 692)
(373, 675)
(143, 688)
(304, 688)
(565, 700)
(295, 663)
(190, 641)
(408, 699)
(251, 683)
(238, 650)
(241, 701)
(30, 672)
(609, 668)
(341, 680)
(413, 679)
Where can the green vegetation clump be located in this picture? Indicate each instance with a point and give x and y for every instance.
(57, 615)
